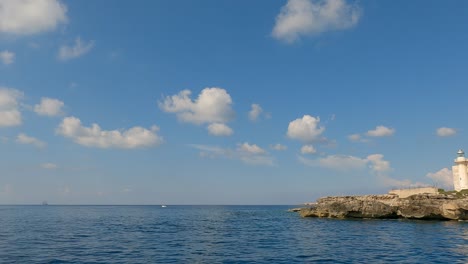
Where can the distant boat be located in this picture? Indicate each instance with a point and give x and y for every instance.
(163, 206)
(45, 203)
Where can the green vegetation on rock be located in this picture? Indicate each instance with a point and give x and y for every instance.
(460, 194)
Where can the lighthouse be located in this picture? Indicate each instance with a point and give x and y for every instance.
(460, 171)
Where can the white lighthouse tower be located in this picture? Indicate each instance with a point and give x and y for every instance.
(460, 171)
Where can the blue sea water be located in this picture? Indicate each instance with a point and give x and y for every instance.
(218, 234)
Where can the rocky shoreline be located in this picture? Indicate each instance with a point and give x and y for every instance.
(388, 206)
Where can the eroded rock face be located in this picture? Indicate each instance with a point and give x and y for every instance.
(422, 206)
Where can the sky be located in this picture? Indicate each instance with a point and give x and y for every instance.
(228, 102)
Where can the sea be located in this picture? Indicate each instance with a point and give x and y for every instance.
(218, 234)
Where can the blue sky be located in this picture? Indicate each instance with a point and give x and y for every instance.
(228, 102)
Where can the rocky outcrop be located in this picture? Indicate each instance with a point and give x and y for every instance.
(420, 206)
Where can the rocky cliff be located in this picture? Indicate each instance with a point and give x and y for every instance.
(420, 206)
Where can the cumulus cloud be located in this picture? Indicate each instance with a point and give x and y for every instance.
(442, 178)
(94, 136)
(7, 57)
(49, 166)
(24, 17)
(312, 17)
(253, 154)
(25, 139)
(378, 164)
(306, 129)
(255, 112)
(308, 149)
(381, 131)
(245, 152)
(279, 147)
(49, 107)
(213, 105)
(9, 107)
(80, 48)
(219, 129)
(251, 149)
(446, 132)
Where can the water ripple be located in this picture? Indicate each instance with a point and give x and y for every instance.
(218, 234)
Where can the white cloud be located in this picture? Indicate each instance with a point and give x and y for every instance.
(94, 136)
(255, 112)
(31, 16)
(7, 57)
(336, 162)
(213, 105)
(49, 166)
(251, 148)
(279, 147)
(49, 107)
(378, 164)
(306, 129)
(247, 153)
(374, 162)
(442, 178)
(25, 139)
(312, 17)
(381, 131)
(308, 149)
(219, 129)
(9, 112)
(253, 154)
(79, 49)
(446, 132)
(395, 183)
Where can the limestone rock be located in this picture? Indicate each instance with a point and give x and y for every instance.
(421, 206)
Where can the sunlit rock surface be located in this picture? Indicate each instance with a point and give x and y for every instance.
(420, 206)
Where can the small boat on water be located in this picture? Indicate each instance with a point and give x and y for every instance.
(45, 203)
(163, 206)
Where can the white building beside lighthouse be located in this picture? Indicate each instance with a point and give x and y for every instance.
(460, 172)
